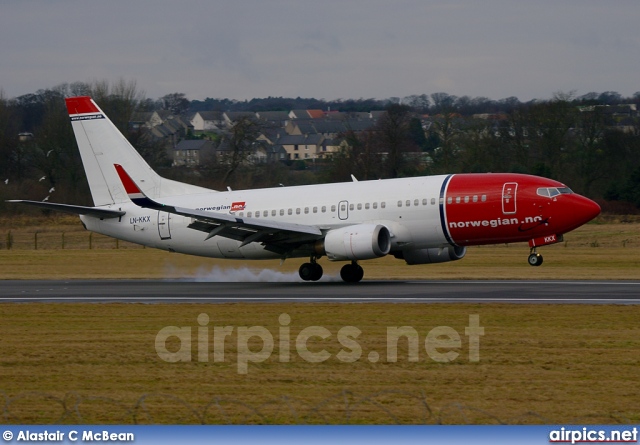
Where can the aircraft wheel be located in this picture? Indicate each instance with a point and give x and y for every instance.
(317, 272)
(310, 271)
(535, 259)
(306, 271)
(351, 273)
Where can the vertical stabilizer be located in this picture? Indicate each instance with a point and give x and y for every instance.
(102, 145)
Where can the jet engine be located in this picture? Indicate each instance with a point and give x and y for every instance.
(432, 255)
(358, 242)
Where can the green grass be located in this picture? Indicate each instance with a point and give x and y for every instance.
(538, 364)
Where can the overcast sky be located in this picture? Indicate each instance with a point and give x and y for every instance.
(325, 49)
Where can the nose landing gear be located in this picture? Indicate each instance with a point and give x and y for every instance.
(535, 259)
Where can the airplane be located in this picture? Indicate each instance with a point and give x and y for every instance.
(421, 220)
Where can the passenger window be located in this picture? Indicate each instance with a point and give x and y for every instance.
(249, 215)
(258, 214)
(315, 210)
(433, 201)
(383, 205)
(366, 206)
(457, 200)
(350, 206)
(449, 200)
(298, 211)
(399, 203)
(416, 202)
(359, 206)
(333, 209)
(281, 212)
(241, 214)
(408, 203)
(343, 207)
(290, 211)
(475, 198)
(466, 199)
(375, 205)
(484, 198)
(306, 210)
(424, 202)
(273, 213)
(324, 209)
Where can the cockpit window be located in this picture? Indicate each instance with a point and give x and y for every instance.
(550, 192)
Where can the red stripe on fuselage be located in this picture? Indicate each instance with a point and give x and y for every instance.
(81, 105)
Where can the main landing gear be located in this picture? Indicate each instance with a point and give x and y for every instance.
(535, 259)
(352, 273)
(311, 271)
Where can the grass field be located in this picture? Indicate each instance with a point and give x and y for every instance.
(97, 363)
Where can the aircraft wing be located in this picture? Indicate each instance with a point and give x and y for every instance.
(75, 210)
(277, 236)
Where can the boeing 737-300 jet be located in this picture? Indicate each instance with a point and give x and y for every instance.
(420, 220)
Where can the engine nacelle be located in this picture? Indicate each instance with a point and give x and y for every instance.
(433, 255)
(358, 242)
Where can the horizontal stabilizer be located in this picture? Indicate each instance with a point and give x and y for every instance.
(75, 210)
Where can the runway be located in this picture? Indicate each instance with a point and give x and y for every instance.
(414, 291)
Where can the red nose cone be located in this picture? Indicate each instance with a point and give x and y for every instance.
(591, 210)
(584, 209)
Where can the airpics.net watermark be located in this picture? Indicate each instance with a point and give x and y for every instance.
(256, 344)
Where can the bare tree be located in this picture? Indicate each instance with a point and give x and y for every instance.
(177, 103)
(394, 137)
(239, 143)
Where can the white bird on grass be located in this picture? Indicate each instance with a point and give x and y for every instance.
(6, 181)
(46, 199)
(49, 152)
(52, 189)
(42, 179)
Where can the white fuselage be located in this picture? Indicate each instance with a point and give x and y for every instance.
(415, 224)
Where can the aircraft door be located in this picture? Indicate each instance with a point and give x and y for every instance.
(509, 191)
(343, 210)
(163, 225)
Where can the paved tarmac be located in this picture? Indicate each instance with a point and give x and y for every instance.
(414, 291)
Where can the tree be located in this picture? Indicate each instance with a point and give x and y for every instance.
(240, 142)
(176, 103)
(588, 154)
(549, 124)
(8, 137)
(445, 155)
(393, 131)
(119, 101)
(442, 103)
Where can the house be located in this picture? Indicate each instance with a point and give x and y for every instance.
(148, 119)
(207, 121)
(230, 117)
(191, 153)
(274, 118)
(301, 146)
